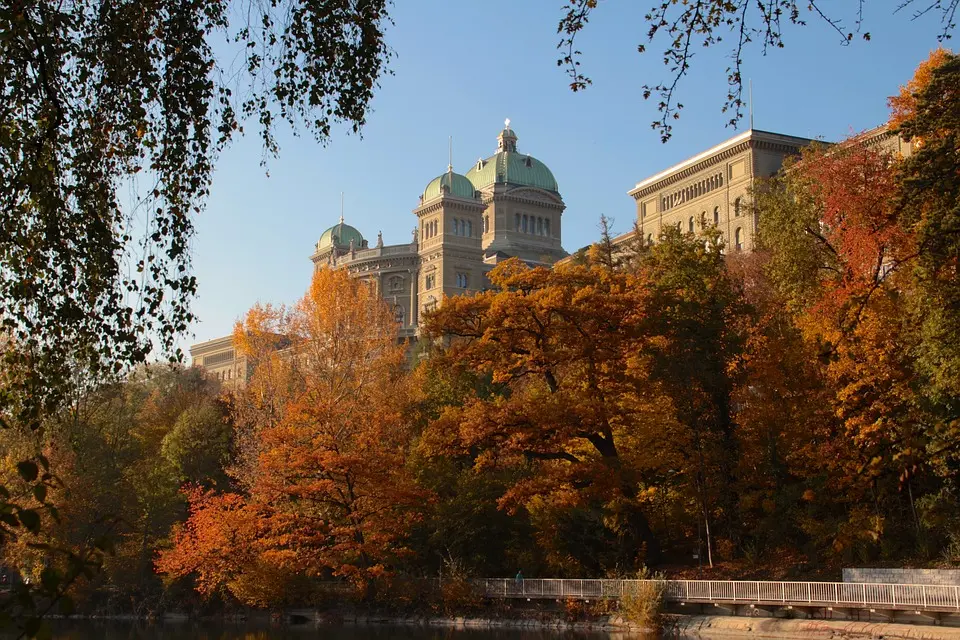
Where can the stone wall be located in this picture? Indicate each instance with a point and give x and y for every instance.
(903, 576)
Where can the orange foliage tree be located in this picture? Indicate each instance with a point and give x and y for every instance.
(558, 343)
(325, 443)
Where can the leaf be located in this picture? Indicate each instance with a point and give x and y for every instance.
(30, 519)
(40, 493)
(28, 470)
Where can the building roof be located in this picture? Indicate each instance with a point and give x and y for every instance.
(450, 183)
(340, 235)
(750, 134)
(507, 166)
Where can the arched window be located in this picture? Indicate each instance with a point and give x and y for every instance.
(456, 227)
(524, 223)
(690, 225)
(738, 239)
(518, 222)
(736, 208)
(649, 238)
(716, 215)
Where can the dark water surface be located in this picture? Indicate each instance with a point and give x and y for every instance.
(102, 630)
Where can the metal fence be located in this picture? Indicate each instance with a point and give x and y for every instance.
(840, 594)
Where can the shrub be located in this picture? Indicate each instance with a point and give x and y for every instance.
(642, 601)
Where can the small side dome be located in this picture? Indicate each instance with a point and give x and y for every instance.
(340, 235)
(449, 183)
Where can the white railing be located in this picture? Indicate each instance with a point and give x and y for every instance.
(842, 594)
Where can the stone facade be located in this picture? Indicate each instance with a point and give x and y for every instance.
(712, 188)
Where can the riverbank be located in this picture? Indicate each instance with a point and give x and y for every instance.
(541, 620)
(721, 626)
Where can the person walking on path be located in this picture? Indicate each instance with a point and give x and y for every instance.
(519, 579)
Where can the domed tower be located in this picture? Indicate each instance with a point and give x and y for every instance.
(522, 204)
(450, 228)
(337, 241)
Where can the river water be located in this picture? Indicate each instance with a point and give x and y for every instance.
(96, 630)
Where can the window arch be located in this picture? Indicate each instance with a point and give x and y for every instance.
(690, 224)
(649, 238)
(738, 239)
(456, 227)
(716, 216)
(736, 208)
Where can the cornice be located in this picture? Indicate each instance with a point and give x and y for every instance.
(721, 156)
(448, 202)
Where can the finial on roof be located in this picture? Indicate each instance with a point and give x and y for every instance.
(341, 207)
(506, 123)
(379, 238)
(450, 157)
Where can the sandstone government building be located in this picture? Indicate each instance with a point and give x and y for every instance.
(510, 205)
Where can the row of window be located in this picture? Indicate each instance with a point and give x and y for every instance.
(429, 229)
(693, 191)
(460, 228)
(527, 224)
(532, 224)
(462, 280)
(737, 212)
(223, 376)
(737, 235)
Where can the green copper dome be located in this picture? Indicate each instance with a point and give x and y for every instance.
(508, 166)
(455, 184)
(341, 234)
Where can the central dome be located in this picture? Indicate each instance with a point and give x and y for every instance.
(509, 167)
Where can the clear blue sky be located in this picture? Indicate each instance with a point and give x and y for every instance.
(462, 67)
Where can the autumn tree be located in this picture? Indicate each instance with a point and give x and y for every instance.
(927, 112)
(559, 342)
(325, 468)
(861, 250)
